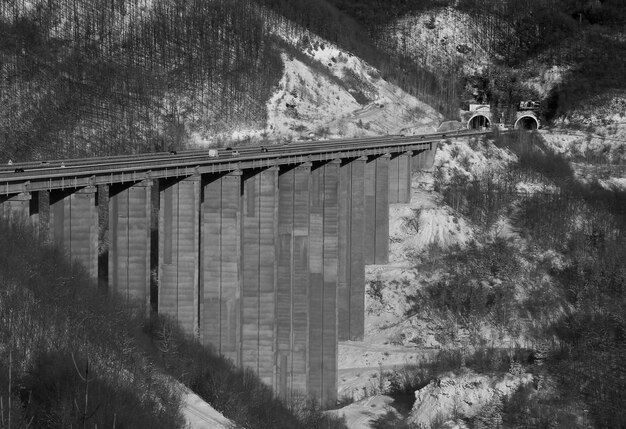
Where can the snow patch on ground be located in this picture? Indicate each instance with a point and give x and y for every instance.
(200, 415)
(546, 79)
(609, 147)
(423, 222)
(364, 413)
(316, 104)
(462, 396)
(615, 183)
(472, 160)
(441, 37)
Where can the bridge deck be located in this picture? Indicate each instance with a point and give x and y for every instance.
(30, 176)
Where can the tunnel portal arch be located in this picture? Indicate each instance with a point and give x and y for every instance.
(526, 122)
(477, 122)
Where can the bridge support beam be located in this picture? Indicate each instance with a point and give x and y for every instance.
(74, 225)
(400, 179)
(130, 211)
(220, 273)
(424, 160)
(376, 242)
(260, 205)
(323, 267)
(351, 281)
(178, 251)
(292, 301)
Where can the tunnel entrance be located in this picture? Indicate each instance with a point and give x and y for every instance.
(526, 123)
(478, 122)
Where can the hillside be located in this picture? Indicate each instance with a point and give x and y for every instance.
(145, 75)
(81, 80)
(568, 55)
(501, 304)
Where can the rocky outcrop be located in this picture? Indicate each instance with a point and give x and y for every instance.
(461, 396)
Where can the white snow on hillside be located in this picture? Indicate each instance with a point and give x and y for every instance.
(471, 159)
(607, 143)
(311, 104)
(441, 38)
(362, 414)
(462, 396)
(200, 415)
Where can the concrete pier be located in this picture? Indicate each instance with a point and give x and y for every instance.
(74, 225)
(15, 206)
(260, 205)
(400, 178)
(323, 267)
(292, 308)
(129, 241)
(220, 273)
(351, 262)
(424, 159)
(376, 242)
(178, 251)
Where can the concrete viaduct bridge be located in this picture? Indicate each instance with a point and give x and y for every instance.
(261, 252)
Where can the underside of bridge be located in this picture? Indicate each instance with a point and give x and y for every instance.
(267, 265)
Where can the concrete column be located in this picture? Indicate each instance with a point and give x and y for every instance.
(377, 210)
(74, 225)
(292, 308)
(404, 178)
(394, 179)
(323, 267)
(351, 276)
(382, 210)
(220, 273)
(130, 210)
(15, 206)
(400, 178)
(179, 215)
(260, 209)
(424, 160)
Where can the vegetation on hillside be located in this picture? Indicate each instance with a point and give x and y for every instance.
(559, 288)
(74, 355)
(80, 79)
(68, 352)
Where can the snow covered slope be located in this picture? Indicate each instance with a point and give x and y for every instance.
(342, 97)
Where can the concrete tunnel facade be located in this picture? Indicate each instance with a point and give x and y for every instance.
(266, 265)
(527, 122)
(479, 121)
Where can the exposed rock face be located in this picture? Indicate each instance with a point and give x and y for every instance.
(462, 396)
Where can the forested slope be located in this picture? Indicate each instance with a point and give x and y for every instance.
(77, 78)
(80, 79)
